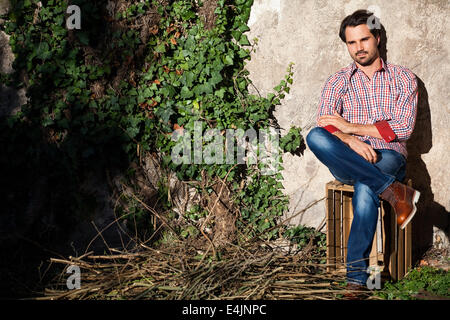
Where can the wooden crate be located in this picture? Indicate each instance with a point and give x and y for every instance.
(391, 248)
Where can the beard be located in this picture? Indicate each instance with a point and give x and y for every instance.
(365, 60)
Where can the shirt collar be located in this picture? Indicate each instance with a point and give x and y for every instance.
(354, 67)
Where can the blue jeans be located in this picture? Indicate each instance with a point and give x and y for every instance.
(369, 180)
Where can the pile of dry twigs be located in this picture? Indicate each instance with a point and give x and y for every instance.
(250, 271)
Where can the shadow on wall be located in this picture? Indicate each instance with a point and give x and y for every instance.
(430, 213)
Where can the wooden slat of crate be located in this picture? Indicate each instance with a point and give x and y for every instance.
(376, 254)
(336, 185)
(373, 256)
(401, 253)
(408, 247)
(331, 248)
(337, 225)
(408, 240)
(380, 234)
(348, 216)
(393, 247)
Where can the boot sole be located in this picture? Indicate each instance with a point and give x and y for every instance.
(411, 215)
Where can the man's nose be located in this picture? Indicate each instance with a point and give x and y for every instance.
(359, 46)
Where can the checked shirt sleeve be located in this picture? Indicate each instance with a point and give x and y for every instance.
(404, 113)
(331, 98)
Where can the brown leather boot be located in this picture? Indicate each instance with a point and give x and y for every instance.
(403, 199)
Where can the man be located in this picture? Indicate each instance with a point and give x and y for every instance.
(367, 112)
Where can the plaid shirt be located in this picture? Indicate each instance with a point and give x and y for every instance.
(389, 101)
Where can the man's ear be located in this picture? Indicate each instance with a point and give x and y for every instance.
(378, 40)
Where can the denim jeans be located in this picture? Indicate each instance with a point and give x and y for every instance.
(369, 180)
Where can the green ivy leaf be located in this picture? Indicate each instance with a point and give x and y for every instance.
(244, 41)
(215, 78)
(228, 60)
(236, 34)
(164, 113)
(186, 93)
(132, 131)
(43, 51)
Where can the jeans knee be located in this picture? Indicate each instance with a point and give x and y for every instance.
(316, 138)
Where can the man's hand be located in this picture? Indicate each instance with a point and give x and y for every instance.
(363, 149)
(337, 121)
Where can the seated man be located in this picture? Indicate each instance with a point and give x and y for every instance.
(367, 112)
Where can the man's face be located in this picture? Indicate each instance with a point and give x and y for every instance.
(361, 44)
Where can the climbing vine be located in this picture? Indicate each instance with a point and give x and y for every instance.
(122, 85)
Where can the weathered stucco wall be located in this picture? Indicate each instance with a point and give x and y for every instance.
(306, 33)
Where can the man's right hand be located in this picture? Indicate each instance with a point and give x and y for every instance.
(363, 149)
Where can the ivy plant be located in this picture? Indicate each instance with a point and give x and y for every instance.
(100, 96)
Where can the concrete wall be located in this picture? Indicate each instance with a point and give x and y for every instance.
(306, 33)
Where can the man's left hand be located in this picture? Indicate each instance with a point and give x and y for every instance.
(337, 121)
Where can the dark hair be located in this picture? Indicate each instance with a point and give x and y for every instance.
(360, 17)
